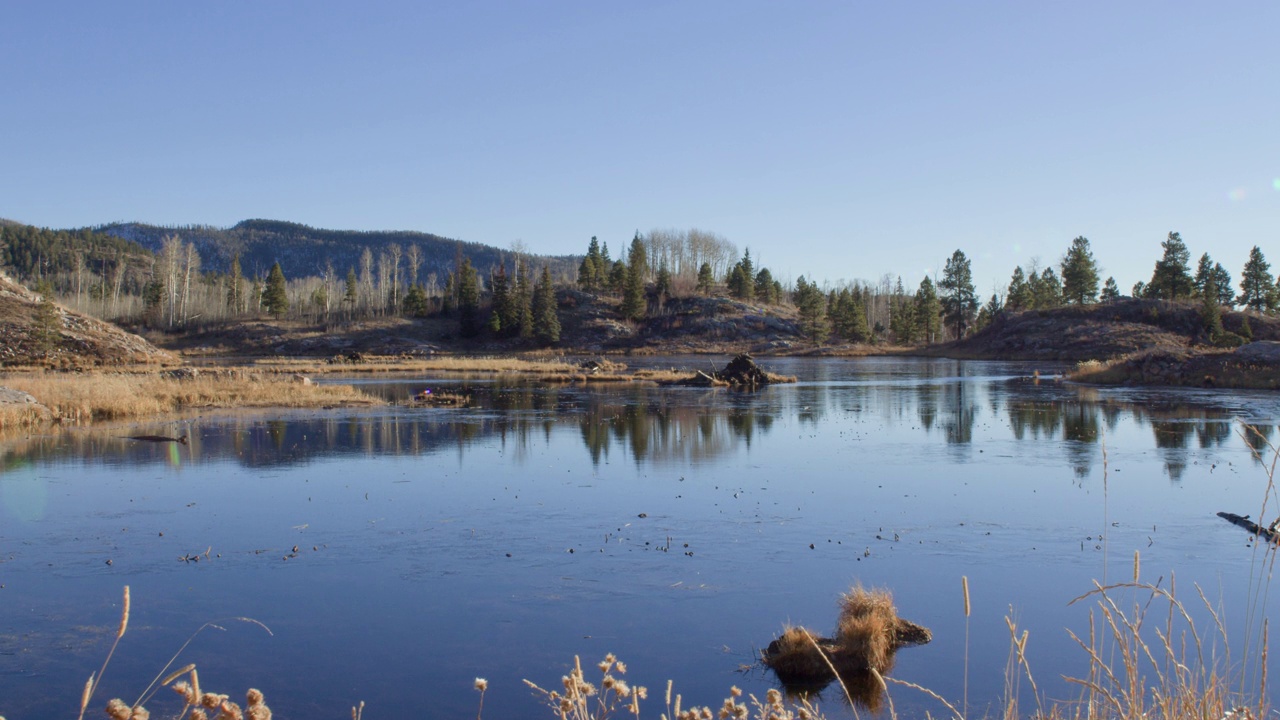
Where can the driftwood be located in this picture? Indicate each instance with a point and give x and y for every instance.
(1271, 534)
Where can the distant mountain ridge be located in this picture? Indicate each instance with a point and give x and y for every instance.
(302, 250)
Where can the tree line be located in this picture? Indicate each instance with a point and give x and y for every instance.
(511, 299)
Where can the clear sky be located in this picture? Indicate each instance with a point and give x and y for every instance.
(838, 140)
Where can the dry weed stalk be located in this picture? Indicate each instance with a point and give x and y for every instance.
(582, 700)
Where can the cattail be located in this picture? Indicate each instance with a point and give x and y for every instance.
(964, 584)
(140, 713)
(124, 614)
(1136, 565)
(194, 697)
(84, 696)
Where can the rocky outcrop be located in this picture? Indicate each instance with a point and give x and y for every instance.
(63, 337)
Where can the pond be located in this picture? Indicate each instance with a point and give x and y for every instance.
(397, 554)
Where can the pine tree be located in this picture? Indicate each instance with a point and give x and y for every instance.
(591, 272)
(1171, 279)
(468, 286)
(415, 301)
(1203, 270)
(1048, 291)
(524, 302)
(618, 277)
(275, 298)
(500, 306)
(1110, 291)
(988, 313)
(928, 311)
(1018, 296)
(764, 288)
(706, 279)
(662, 286)
(47, 329)
(546, 320)
(959, 300)
(349, 293)
(1210, 311)
(235, 285)
(902, 316)
(1222, 279)
(634, 306)
(1079, 274)
(811, 306)
(1258, 291)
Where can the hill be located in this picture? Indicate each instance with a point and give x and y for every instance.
(303, 251)
(54, 335)
(1097, 332)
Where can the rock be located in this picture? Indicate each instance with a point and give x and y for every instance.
(16, 397)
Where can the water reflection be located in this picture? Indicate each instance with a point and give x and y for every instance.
(649, 424)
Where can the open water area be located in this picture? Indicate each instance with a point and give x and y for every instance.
(398, 553)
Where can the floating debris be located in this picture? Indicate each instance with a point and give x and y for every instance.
(868, 635)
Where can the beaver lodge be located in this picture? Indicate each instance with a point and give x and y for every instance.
(868, 635)
(741, 372)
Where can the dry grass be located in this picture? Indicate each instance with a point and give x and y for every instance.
(614, 696)
(488, 365)
(102, 396)
(868, 626)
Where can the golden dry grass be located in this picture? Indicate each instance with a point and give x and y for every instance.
(489, 365)
(868, 626)
(103, 396)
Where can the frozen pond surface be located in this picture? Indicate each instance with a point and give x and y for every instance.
(679, 528)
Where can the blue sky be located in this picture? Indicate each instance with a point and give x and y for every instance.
(836, 140)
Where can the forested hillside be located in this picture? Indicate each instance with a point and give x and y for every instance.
(306, 251)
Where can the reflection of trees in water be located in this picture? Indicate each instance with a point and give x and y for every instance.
(927, 405)
(669, 432)
(961, 410)
(1258, 438)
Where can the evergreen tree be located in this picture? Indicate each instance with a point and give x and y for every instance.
(468, 287)
(48, 322)
(634, 306)
(546, 320)
(1110, 291)
(275, 299)
(1079, 274)
(415, 301)
(349, 293)
(591, 272)
(1048, 292)
(988, 313)
(1171, 279)
(1210, 311)
(811, 306)
(524, 301)
(618, 277)
(1019, 295)
(902, 316)
(1139, 290)
(928, 311)
(741, 280)
(235, 285)
(1203, 270)
(706, 279)
(765, 290)
(662, 286)
(848, 316)
(153, 300)
(1258, 291)
(501, 310)
(959, 300)
(1222, 279)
